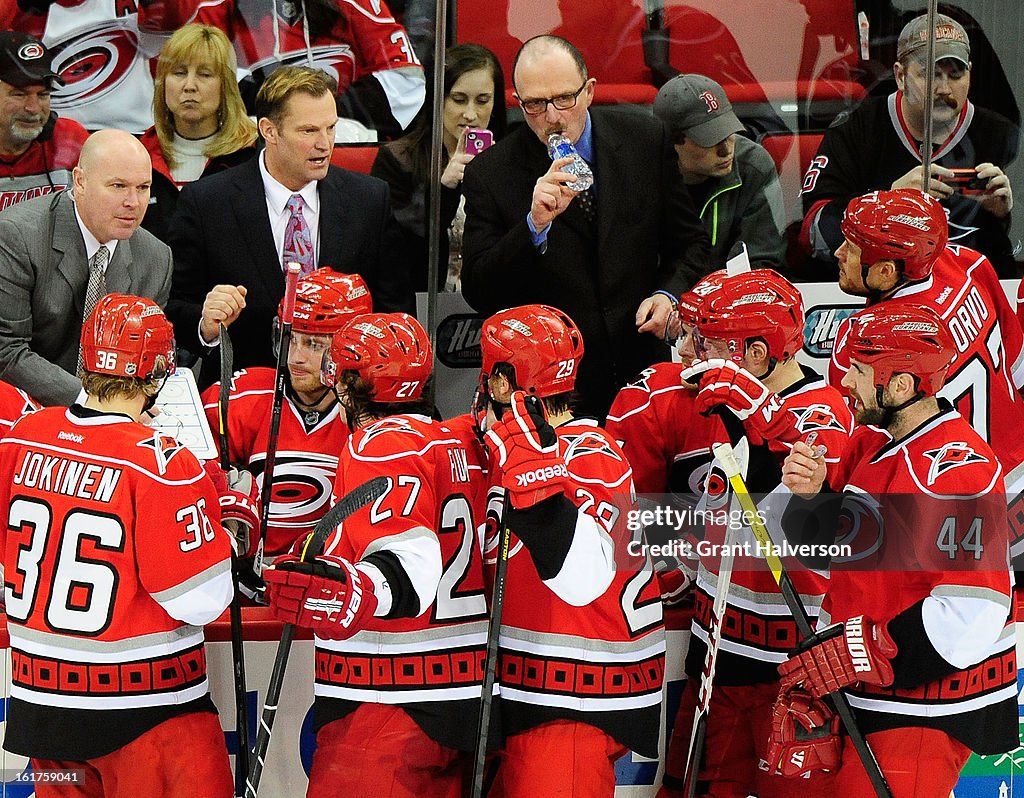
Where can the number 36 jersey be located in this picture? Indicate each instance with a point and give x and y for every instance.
(113, 558)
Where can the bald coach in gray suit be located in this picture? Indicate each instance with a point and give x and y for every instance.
(46, 246)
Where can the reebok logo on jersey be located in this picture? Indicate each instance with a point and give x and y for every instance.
(949, 456)
(70, 436)
(541, 475)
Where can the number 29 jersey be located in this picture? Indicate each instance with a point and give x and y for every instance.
(113, 558)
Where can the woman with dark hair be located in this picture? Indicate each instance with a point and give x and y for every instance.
(200, 122)
(474, 87)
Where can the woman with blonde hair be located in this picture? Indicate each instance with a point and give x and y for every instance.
(200, 122)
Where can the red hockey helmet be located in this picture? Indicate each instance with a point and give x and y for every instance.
(128, 336)
(391, 351)
(755, 304)
(894, 340)
(325, 301)
(691, 302)
(540, 342)
(901, 224)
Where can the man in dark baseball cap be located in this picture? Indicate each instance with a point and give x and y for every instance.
(732, 180)
(25, 60)
(37, 150)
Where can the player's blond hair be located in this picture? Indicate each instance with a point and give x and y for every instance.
(105, 387)
(203, 44)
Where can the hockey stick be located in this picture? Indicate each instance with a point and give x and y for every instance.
(235, 608)
(291, 279)
(351, 502)
(491, 657)
(723, 452)
(700, 719)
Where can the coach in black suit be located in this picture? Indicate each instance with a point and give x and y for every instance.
(228, 230)
(530, 239)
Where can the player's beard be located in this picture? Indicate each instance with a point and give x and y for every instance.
(872, 416)
(26, 135)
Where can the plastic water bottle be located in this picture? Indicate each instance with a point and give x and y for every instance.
(560, 147)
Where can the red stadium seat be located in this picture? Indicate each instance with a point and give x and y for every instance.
(355, 157)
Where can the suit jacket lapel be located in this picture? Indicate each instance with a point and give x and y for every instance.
(253, 226)
(67, 240)
(333, 223)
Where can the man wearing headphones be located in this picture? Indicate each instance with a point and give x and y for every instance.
(37, 149)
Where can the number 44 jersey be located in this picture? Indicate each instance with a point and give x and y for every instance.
(113, 558)
(984, 381)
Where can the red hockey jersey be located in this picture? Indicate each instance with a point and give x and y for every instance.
(668, 444)
(589, 643)
(926, 522)
(306, 460)
(45, 167)
(984, 381)
(758, 630)
(430, 522)
(113, 558)
(14, 403)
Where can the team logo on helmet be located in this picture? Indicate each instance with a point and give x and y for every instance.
(920, 222)
(949, 456)
(750, 299)
(369, 329)
(517, 326)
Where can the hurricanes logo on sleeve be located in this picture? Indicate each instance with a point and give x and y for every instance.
(816, 417)
(164, 448)
(951, 455)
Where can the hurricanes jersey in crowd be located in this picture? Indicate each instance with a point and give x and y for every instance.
(14, 403)
(358, 42)
(307, 452)
(565, 652)
(984, 381)
(45, 167)
(758, 631)
(927, 522)
(430, 662)
(113, 559)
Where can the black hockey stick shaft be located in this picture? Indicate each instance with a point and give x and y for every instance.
(789, 593)
(491, 657)
(351, 502)
(291, 280)
(235, 608)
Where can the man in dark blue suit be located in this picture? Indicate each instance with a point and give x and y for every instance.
(231, 233)
(614, 258)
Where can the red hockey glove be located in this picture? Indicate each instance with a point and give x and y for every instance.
(804, 737)
(726, 384)
(525, 448)
(327, 595)
(239, 499)
(840, 655)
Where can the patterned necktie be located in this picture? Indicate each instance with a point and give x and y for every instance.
(588, 206)
(298, 244)
(96, 288)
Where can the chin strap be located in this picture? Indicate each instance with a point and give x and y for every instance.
(889, 413)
